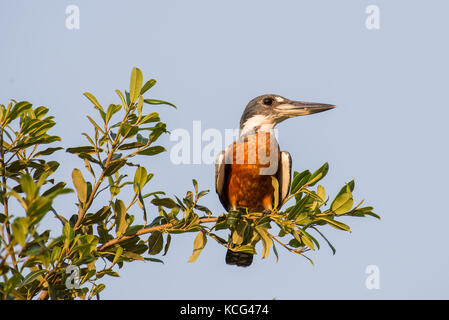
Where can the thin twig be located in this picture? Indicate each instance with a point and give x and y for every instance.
(142, 231)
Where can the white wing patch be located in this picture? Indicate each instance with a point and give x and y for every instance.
(284, 175)
(219, 172)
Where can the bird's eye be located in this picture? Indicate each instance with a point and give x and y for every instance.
(268, 101)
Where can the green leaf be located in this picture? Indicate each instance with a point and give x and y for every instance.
(154, 260)
(148, 85)
(151, 151)
(45, 139)
(17, 110)
(100, 215)
(84, 149)
(155, 243)
(143, 141)
(203, 193)
(140, 179)
(128, 100)
(122, 98)
(96, 125)
(131, 230)
(28, 186)
(321, 192)
(343, 203)
(112, 109)
(312, 195)
(98, 289)
(88, 166)
(275, 253)
(135, 84)
(164, 202)
(336, 224)
(140, 107)
(318, 174)
(204, 209)
(218, 238)
(151, 117)
(308, 240)
(239, 232)
(167, 244)
(344, 189)
(233, 217)
(128, 130)
(20, 230)
(32, 276)
(195, 185)
(154, 101)
(118, 254)
(67, 232)
(267, 242)
(362, 212)
(94, 100)
(297, 212)
(133, 255)
(198, 245)
(371, 213)
(131, 145)
(114, 166)
(157, 131)
(42, 128)
(9, 286)
(264, 222)
(40, 112)
(120, 217)
(38, 208)
(56, 188)
(80, 185)
(325, 239)
(299, 179)
(47, 152)
(248, 248)
(142, 204)
(55, 254)
(113, 186)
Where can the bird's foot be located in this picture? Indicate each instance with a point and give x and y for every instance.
(266, 212)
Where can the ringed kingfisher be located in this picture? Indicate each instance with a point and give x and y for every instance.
(252, 172)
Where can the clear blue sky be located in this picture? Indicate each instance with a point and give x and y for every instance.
(210, 58)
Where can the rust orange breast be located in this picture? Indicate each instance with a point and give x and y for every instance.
(254, 163)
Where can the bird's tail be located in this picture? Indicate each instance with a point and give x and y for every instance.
(241, 259)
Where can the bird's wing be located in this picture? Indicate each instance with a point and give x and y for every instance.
(283, 175)
(220, 177)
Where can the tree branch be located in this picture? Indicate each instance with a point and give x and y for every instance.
(5, 200)
(92, 195)
(142, 231)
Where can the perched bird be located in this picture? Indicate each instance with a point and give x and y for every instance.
(252, 172)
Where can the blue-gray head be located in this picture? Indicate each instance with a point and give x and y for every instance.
(264, 112)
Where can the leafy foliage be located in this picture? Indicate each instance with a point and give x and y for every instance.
(98, 237)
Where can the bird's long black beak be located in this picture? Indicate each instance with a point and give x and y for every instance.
(300, 108)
